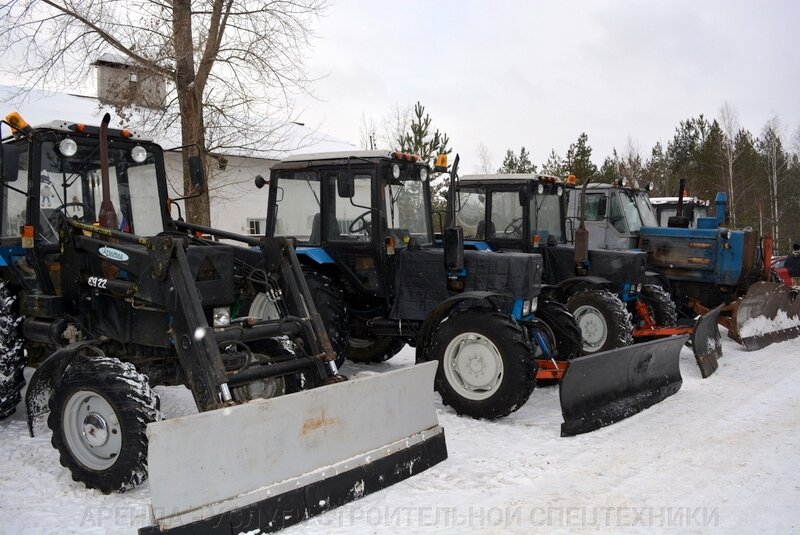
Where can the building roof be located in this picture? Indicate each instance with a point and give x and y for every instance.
(39, 107)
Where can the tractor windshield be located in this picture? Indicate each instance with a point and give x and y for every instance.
(546, 217)
(406, 209)
(649, 218)
(70, 183)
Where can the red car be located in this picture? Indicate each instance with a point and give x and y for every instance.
(780, 273)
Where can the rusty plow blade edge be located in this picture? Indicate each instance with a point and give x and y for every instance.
(271, 463)
(604, 388)
(706, 343)
(779, 307)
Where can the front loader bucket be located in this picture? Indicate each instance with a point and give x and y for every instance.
(768, 313)
(706, 342)
(603, 388)
(268, 464)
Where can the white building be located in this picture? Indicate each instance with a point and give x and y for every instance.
(236, 204)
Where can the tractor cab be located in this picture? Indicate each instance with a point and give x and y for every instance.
(513, 211)
(615, 213)
(55, 169)
(360, 208)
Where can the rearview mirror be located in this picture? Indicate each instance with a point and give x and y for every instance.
(601, 206)
(9, 154)
(260, 181)
(197, 175)
(344, 185)
(524, 196)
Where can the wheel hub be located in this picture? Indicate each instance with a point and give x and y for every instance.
(473, 366)
(95, 429)
(594, 330)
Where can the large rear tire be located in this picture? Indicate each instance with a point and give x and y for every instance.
(661, 305)
(329, 301)
(99, 411)
(12, 354)
(603, 319)
(487, 367)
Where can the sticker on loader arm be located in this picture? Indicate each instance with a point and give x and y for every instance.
(113, 254)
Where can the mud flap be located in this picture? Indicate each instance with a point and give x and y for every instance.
(706, 342)
(603, 388)
(768, 313)
(268, 464)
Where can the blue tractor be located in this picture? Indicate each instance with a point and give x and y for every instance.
(363, 223)
(705, 268)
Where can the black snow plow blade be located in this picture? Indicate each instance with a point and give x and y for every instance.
(768, 313)
(600, 389)
(706, 342)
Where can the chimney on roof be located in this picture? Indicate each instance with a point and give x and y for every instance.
(121, 82)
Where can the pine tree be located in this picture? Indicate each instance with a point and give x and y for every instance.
(579, 159)
(510, 163)
(421, 140)
(555, 165)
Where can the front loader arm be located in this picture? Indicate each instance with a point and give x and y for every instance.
(162, 277)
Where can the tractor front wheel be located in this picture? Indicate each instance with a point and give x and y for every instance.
(99, 411)
(661, 305)
(487, 367)
(329, 302)
(603, 319)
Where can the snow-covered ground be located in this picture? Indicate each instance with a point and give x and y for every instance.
(720, 456)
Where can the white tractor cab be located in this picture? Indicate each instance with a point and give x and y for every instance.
(666, 207)
(614, 213)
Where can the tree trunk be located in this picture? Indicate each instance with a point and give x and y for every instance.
(191, 107)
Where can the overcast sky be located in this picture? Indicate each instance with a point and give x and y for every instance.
(507, 74)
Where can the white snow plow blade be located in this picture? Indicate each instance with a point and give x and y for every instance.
(268, 464)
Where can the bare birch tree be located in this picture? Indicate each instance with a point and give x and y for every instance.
(223, 59)
(729, 121)
(771, 148)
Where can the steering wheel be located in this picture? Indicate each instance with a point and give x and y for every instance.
(365, 225)
(86, 212)
(515, 227)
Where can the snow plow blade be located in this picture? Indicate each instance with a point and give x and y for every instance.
(706, 342)
(600, 389)
(768, 313)
(271, 463)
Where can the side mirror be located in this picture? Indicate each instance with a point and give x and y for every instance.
(260, 181)
(524, 196)
(9, 155)
(344, 185)
(601, 206)
(197, 175)
(454, 249)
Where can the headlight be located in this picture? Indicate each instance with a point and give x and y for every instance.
(650, 186)
(68, 147)
(529, 307)
(540, 189)
(560, 191)
(396, 171)
(222, 316)
(725, 233)
(423, 173)
(139, 154)
(623, 182)
(639, 288)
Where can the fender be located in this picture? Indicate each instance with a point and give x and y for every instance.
(318, 255)
(474, 299)
(44, 379)
(569, 287)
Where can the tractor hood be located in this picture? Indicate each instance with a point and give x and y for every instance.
(619, 267)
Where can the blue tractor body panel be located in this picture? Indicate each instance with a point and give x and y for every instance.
(318, 255)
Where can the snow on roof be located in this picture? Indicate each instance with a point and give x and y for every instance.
(506, 176)
(670, 200)
(338, 155)
(39, 107)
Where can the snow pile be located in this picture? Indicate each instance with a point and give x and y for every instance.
(763, 325)
(720, 456)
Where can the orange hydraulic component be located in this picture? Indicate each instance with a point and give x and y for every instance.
(650, 329)
(551, 369)
(766, 252)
